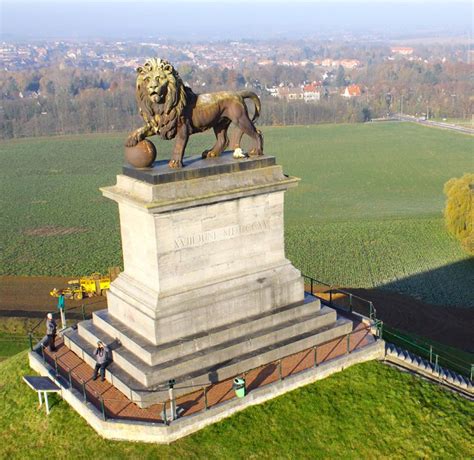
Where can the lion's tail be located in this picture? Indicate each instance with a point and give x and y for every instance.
(255, 100)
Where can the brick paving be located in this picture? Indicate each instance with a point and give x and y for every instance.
(117, 405)
(297, 362)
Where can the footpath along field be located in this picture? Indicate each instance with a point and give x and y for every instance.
(367, 213)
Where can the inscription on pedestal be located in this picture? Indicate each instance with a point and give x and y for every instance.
(199, 239)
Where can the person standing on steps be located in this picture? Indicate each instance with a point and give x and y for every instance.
(101, 356)
(61, 308)
(51, 328)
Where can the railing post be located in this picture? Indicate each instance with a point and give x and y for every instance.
(171, 384)
(311, 286)
(431, 354)
(83, 308)
(350, 302)
(436, 364)
(102, 407)
(330, 297)
(42, 352)
(84, 393)
(280, 373)
(371, 310)
(348, 339)
(56, 365)
(205, 398)
(70, 378)
(472, 372)
(30, 338)
(378, 326)
(165, 416)
(315, 356)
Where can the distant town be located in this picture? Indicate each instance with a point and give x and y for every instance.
(427, 78)
(128, 55)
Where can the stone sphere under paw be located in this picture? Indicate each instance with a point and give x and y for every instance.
(141, 155)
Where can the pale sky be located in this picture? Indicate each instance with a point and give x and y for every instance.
(289, 2)
(227, 19)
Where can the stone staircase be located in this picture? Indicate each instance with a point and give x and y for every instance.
(420, 365)
(142, 370)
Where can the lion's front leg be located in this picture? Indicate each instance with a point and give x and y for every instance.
(182, 137)
(137, 136)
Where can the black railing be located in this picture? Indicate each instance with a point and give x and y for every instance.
(340, 299)
(347, 302)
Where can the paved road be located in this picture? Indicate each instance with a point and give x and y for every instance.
(436, 124)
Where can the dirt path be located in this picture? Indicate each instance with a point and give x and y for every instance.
(28, 296)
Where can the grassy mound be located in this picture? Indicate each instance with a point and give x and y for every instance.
(367, 411)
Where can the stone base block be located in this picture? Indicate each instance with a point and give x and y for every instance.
(164, 319)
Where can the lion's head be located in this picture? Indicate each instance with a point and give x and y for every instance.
(161, 96)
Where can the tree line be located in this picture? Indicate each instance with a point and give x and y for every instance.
(64, 100)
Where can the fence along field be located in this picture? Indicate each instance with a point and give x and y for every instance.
(367, 213)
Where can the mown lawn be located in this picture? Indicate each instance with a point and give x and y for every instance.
(367, 411)
(367, 212)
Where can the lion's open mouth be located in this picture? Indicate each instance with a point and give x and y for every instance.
(155, 97)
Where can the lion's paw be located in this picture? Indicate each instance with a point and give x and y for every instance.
(131, 141)
(175, 164)
(210, 154)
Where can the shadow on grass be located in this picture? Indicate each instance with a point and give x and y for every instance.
(403, 305)
(451, 285)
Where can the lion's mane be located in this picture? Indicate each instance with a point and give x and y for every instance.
(163, 117)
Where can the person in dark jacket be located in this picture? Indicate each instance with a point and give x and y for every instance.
(50, 332)
(101, 355)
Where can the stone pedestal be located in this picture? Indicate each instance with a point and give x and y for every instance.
(206, 292)
(204, 250)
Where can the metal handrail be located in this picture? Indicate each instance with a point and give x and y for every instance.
(432, 354)
(313, 281)
(422, 345)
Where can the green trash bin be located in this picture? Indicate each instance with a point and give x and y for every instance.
(239, 387)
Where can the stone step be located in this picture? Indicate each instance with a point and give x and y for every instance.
(150, 375)
(146, 396)
(259, 357)
(152, 354)
(113, 373)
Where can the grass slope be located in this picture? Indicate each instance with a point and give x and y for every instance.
(366, 213)
(367, 411)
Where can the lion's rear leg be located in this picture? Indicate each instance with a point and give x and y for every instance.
(248, 128)
(222, 141)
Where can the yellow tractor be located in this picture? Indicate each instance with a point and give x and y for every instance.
(87, 286)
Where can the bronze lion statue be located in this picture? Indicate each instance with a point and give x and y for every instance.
(172, 110)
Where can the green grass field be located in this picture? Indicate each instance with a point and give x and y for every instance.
(11, 344)
(368, 411)
(367, 213)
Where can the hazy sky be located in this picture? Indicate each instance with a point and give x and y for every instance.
(225, 19)
(446, 2)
